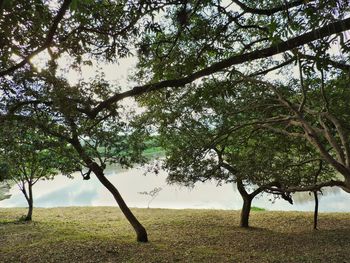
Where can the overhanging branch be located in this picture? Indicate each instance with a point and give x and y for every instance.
(327, 61)
(270, 11)
(310, 188)
(327, 30)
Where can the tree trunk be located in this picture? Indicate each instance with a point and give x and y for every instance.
(141, 234)
(30, 211)
(316, 210)
(139, 229)
(247, 202)
(29, 198)
(346, 187)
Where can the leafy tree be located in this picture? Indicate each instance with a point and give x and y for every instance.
(178, 42)
(28, 156)
(206, 134)
(315, 111)
(106, 139)
(260, 32)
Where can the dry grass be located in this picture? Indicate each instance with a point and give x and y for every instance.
(101, 234)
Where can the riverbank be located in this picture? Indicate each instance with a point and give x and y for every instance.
(101, 234)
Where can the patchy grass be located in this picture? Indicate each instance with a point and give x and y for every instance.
(257, 209)
(101, 234)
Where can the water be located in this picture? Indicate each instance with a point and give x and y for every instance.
(63, 191)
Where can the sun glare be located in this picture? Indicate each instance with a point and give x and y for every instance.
(39, 62)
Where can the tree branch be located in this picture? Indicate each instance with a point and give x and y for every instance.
(311, 133)
(342, 135)
(303, 89)
(311, 188)
(326, 61)
(332, 141)
(327, 30)
(264, 72)
(271, 11)
(47, 42)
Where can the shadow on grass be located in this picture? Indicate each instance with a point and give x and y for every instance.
(21, 220)
(176, 236)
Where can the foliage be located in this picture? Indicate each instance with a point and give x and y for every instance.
(28, 156)
(258, 209)
(27, 153)
(200, 33)
(212, 132)
(208, 33)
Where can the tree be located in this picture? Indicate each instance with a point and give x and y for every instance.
(44, 97)
(257, 33)
(206, 136)
(28, 156)
(315, 193)
(178, 42)
(313, 111)
(152, 194)
(112, 141)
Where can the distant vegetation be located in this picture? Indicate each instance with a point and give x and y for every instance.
(153, 151)
(257, 209)
(4, 189)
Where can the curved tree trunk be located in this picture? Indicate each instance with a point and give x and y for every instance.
(139, 229)
(316, 194)
(141, 233)
(247, 202)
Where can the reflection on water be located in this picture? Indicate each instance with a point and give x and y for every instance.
(301, 198)
(76, 192)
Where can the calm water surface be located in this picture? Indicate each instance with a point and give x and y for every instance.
(76, 192)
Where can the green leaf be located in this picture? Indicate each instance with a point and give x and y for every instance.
(74, 5)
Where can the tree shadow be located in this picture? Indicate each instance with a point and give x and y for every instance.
(19, 221)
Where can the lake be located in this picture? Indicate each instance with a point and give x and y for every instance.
(63, 191)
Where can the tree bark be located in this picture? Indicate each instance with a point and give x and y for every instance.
(316, 210)
(247, 202)
(141, 234)
(30, 211)
(29, 198)
(139, 229)
(346, 187)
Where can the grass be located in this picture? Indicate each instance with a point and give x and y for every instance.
(257, 209)
(153, 151)
(101, 234)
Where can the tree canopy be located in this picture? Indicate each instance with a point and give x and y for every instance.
(27, 156)
(215, 133)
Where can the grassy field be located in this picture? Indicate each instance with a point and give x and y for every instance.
(101, 234)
